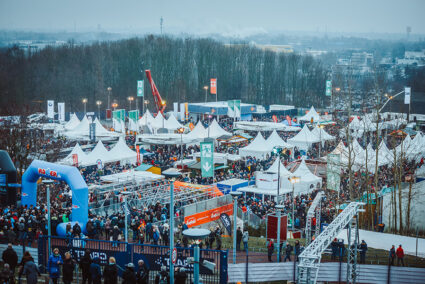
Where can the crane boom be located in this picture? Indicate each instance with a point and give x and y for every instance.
(160, 104)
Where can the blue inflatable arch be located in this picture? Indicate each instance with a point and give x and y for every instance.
(70, 175)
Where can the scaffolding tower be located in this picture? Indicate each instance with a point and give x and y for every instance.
(315, 209)
(310, 258)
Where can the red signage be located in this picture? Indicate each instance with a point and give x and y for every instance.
(213, 86)
(272, 227)
(138, 154)
(208, 216)
(75, 160)
(47, 172)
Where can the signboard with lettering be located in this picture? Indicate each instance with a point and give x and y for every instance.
(208, 215)
(207, 160)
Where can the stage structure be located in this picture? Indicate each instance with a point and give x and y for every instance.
(314, 209)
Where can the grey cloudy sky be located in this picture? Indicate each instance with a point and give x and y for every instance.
(229, 17)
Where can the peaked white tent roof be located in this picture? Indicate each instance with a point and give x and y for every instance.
(308, 181)
(101, 131)
(132, 125)
(275, 140)
(159, 121)
(215, 130)
(199, 132)
(321, 134)
(98, 153)
(146, 119)
(355, 124)
(312, 113)
(258, 148)
(72, 123)
(274, 168)
(339, 149)
(303, 139)
(172, 123)
(76, 150)
(121, 152)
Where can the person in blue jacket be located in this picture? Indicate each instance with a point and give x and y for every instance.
(95, 271)
(53, 266)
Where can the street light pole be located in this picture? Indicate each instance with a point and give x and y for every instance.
(206, 90)
(293, 180)
(279, 214)
(98, 108)
(171, 231)
(196, 234)
(49, 226)
(235, 195)
(109, 95)
(84, 103)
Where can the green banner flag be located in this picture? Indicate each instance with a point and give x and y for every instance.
(207, 159)
(231, 104)
(328, 88)
(140, 88)
(133, 115)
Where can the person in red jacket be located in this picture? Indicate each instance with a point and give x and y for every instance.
(400, 256)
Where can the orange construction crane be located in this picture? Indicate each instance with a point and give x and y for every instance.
(159, 102)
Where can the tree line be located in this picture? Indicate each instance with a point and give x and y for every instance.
(180, 67)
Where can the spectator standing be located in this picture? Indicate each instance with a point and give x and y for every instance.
(288, 252)
(180, 276)
(6, 275)
(68, 269)
(334, 248)
(85, 263)
(110, 273)
(162, 277)
(95, 272)
(245, 239)
(31, 272)
(270, 249)
(142, 273)
(53, 266)
(363, 250)
(391, 255)
(297, 250)
(238, 238)
(129, 276)
(400, 256)
(10, 257)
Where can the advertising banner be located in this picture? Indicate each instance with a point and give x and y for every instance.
(138, 154)
(207, 160)
(328, 88)
(140, 88)
(213, 86)
(51, 109)
(333, 171)
(93, 132)
(208, 215)
(407, 92)
(133, 115)
(186, 111)
(225, 220)
(272, 225)
(176, 110)
(182, 107)
(75, 160)
(61, 111)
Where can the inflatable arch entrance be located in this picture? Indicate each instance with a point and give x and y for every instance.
(70, 175)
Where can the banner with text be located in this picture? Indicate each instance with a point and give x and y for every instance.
(51, 109)
(407, 92)
(333, 171)
(207, 160)
(61, 111)
(328, 88)
(213, 86)
(140, 88)
(208, 215)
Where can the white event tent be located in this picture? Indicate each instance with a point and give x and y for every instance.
(121, 152)
(321, 134)
(311, 114)
(275, 140)
(147, 119)
(72, 123)
(199, 132)
(308, 181)
(215, 130)
(258, 148)
(69, 160)
(304, 139)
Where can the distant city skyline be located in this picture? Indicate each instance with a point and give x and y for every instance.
(227, 18)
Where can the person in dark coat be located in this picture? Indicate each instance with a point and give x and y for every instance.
(6, 275)
(68, 269)
(270, 250)
(10, 257)
(334, 248)
(180, 276)
(95, 271)
(288, 252)
(26, 258)
(129, 276)
(142, 273)
(53, 266)
(391, 255)
(238, 238)
(84, 264)
(363, 250)
(297, 250)
(110, 273)
(162, 276)
(31, 272)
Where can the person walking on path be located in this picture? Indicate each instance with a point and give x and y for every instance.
(400, 256)
(288, 252)
(238, 238)
(53, 266)
(10, 257)
(68, 269)
(110, 273)
(391, 255)
(363, 250)
(245, 239)
(84, 264)
(31, 272)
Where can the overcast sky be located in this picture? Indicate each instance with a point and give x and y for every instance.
(228, 17)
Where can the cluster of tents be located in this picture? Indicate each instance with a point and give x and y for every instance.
(76, 129)
(119, 153)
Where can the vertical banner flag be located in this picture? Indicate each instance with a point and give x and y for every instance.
(225, 219)
(289, 120)
(328, 88)
(133, 115)
(407, 95)
(140, 88)
(61, 111)
(231, 108)
(75, 160)
(333, 171)
(51, 109)
(237, 106)
(181, 111)
(213, 86)
(176, 110)
(93, 132)
(186, 111)
(207, 160)
(138, 154)
(274, 117)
